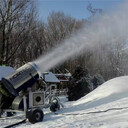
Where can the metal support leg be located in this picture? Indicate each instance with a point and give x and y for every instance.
(25, 104)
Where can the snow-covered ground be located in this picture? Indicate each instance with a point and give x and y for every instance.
(105, 107)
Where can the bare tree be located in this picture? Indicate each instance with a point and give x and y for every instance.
(14, 23)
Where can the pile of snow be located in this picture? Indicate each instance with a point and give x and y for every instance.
(5, 71)
(110, 91)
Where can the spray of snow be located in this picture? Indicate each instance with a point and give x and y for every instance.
(108, 29)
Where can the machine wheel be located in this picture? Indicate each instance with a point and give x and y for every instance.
(54, 103)
(35, 115)
(54, 106)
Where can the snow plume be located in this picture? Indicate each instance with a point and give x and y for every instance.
(109, 28)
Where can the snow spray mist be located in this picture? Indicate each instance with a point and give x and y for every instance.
(108, 28)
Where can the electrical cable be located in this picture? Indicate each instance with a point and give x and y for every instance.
(91, 112)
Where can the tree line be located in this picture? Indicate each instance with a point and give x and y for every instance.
(23, 38)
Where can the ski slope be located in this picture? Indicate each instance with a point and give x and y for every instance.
(105, 107)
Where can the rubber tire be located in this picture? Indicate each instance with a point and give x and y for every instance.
(54, 107)
(35, 115)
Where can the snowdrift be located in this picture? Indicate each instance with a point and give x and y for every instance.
(5, 71)
(110, 91)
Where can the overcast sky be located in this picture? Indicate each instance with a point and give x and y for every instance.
(74, 8)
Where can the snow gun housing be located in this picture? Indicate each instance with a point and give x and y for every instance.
(23, 78)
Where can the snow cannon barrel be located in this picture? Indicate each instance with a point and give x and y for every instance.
(23, 78)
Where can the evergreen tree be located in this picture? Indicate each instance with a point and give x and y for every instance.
(81, 83)
(97, 80)
(78, 85)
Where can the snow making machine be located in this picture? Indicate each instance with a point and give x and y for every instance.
(23, 91)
